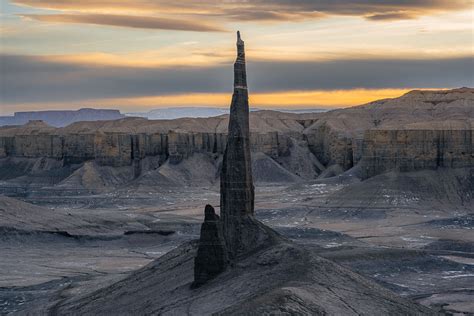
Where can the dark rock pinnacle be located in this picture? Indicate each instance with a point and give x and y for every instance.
(242, 233)
(237, 190)
(211, 258)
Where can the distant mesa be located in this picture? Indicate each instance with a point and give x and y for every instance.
(179, 112)
(204, 112)
(61, 118)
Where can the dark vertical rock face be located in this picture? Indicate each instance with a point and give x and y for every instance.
(135, 152)
(211, 258)
(237, 190)
(408, 150)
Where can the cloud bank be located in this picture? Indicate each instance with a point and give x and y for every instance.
(143, 22)
(39, 79)
(257, 10)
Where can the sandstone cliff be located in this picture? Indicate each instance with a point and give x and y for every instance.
(345, 136)
(422, 129)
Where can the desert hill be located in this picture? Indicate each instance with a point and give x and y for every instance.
(284, 278)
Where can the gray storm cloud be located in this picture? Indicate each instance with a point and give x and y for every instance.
(35, 79)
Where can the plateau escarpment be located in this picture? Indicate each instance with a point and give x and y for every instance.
(145, 146)
(118, 142)
(422, 129)
(416, 149)
(61, 117)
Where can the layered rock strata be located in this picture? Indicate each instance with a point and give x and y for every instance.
(345, 137)
(406, 150)
(341, 138)
(121, 148)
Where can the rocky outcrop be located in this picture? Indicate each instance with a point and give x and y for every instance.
(241, 232)
(331, 146)
(417, 149)
(284, 279)
(211, 258)
(345, 137)
(237, 189)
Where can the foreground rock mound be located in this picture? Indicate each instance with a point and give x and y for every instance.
(281, 278)
(211, 257)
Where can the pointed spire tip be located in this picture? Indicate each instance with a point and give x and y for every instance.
(239, 40)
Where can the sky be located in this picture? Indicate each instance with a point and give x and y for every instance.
(137, 55)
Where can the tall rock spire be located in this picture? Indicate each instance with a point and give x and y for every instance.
(237, 232)
(237, 190)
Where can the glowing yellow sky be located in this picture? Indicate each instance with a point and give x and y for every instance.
(284, 100)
